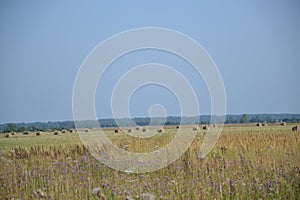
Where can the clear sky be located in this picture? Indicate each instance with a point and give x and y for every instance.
(255, 44)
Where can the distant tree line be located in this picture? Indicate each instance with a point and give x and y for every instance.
(144, 121)
(260, 118)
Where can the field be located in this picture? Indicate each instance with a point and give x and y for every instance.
(248, 162)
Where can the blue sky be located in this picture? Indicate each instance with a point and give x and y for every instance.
(255, 44)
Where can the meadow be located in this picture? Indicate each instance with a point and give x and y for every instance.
(248, 162)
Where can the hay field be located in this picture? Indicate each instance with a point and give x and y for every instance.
(248, 162)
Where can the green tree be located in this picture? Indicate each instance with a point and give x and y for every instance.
(229, 120)
(34, 128)
(22, 129)
(255, 119)
(244, 119)
(10, 128)
(268, 119)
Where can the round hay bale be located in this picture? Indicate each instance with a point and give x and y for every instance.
(55, 132)
(195, 128)
(265, 124)
(283, 123)
(258, 124)
(38, 133)
(71, 131)
(63, 131)
(129, 130)
(205, 128)
(87, 130)
(7, 135)
(144, 129)
(25, 133)
(160, 130)
(296, 128)
(137, 128)
(12, 133)
(116, 131)
(177, 127)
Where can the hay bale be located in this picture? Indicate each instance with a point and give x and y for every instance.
(137, 128)
(12, 133)
(25, 133)
(205, 127)
(296, 128)
(144, 129)
(63, 131)
(265, 124)
(71, 131)
(160, 130)
(195, 128)
(258, 124)
(283, 123)
(55, 132)
(116, 131)
(38, 133)
(214, 126)
(177, 127)
(7, 135)
(129, 130)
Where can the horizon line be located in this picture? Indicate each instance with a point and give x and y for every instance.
(109, 118)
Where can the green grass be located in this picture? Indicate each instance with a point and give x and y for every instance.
(46, 140)
(248, 162)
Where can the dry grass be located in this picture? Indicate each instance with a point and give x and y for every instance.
(248, 162)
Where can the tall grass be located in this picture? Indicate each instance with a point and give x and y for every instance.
(246, 163)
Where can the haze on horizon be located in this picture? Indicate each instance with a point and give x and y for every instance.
(255, 45)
